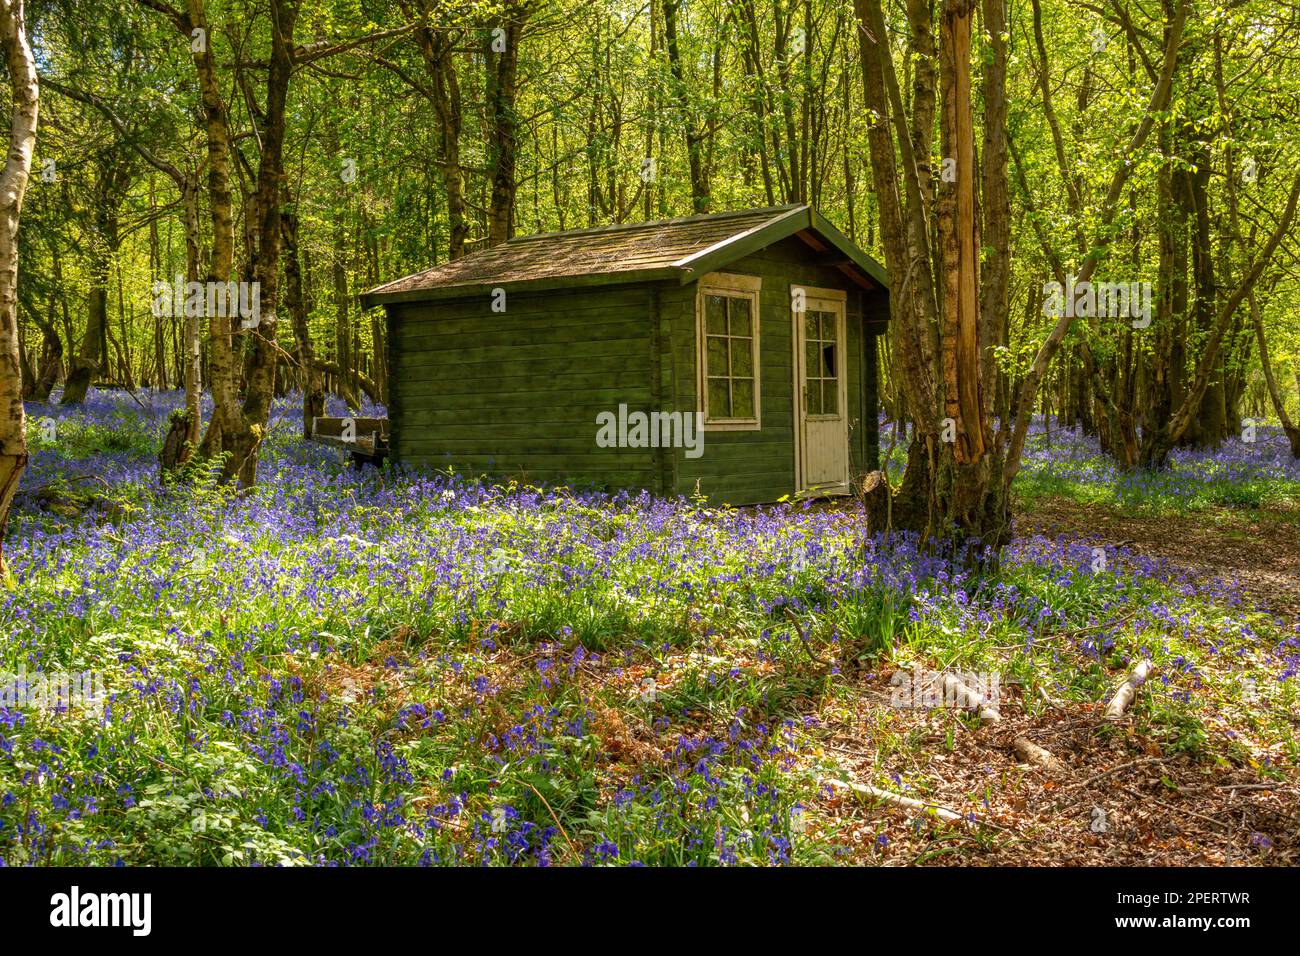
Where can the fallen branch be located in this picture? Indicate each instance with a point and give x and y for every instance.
(1128, 691)
(970, 700)
(1140, 762)
(1033, 754)
(803, 638)
(894, 800)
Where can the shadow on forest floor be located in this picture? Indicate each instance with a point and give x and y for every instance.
(1257, 549)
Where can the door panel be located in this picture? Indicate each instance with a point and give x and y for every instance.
(822, 425)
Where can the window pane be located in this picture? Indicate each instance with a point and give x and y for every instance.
(830, 397)
(828, 360)
(717, 356)
(742, 395)
(715, 315)
(742, 358)
(812, 364)
(730, 324)
(740, 324)
(810, 327)
(719, 400)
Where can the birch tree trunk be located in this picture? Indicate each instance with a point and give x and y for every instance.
(25, 94)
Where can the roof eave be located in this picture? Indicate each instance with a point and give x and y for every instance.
(374, 297)
(800, 218)
(842, 243)
(735, 247)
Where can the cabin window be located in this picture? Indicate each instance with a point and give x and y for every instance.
(727, 319)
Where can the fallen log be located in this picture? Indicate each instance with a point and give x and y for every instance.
(1128, 690)
(895, 800)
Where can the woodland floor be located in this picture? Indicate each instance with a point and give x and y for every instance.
(1257, 548)
(344, 666)
(1123, 799)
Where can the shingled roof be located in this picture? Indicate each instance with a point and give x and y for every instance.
(682, 249)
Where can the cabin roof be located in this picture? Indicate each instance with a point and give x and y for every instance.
(682, 249)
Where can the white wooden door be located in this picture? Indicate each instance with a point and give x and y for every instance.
(821, 391)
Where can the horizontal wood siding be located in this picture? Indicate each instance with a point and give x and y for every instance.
(748, 467)
(515, 394)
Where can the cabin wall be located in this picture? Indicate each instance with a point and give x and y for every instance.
(747, 467)
(515, 394)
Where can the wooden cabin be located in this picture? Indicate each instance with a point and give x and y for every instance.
(590, 357)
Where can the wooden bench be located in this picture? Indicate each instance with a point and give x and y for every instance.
(366, 439)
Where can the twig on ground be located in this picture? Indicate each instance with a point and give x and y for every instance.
(803, 638)
(558, 824)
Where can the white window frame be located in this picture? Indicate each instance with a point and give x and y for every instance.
(735, 286)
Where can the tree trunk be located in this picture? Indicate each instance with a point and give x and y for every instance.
(237, 429)
(221, 358)
(159, 331)
(342, 329)
(952, 486)
(255, 412)
(1158, 442)
(437, 49)
(947, 317)
(503, 124)
(51, 362)
(193, 362)
(93, 355)
(24, 96)
(700, 199)
(1274, 393)
(313, 388)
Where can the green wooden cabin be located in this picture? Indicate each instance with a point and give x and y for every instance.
(532, 359)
